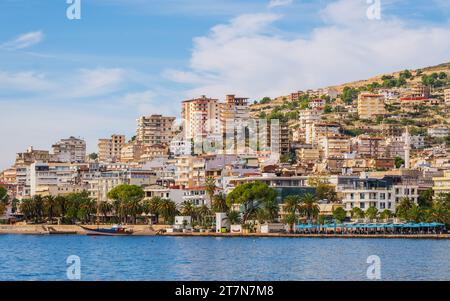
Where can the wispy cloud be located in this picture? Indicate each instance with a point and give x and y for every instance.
(24, 41)
(275, 3)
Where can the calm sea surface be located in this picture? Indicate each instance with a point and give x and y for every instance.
(28, 257)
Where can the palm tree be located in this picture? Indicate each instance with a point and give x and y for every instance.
(291, 220)
(372, 213)
(268, 211)
(386, 214)
(415, 214)
(62, 204)
(234, 217)
(210, 185)
(357, 213)
(403, 208)
(151, 206)
(220, 203)
(187, 208)
(292, 204)
(38, 207)
(27, 209)
(50, 206)
(167, 209)
(203, 214)
(309, 207)
(104, 208)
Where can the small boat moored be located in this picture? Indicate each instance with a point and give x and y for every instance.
(115, 230)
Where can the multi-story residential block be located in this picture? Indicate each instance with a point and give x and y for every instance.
(70, 150)
(308, 155)
(155, 129)
(45, 178)
(317, 104)
(447, 96)
(132, 152)
(201, 118)
(190, 172)
(370, 105)
(180, 147)
(317, 129)
(109, 150)
(442, 184)
(369, 147)
(309, 116)
(154, 151)
(334, 146)
(438, 131)
(382, 194)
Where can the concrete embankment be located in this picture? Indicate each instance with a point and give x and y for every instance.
(405, 236)
(146, 230)
(71, 229)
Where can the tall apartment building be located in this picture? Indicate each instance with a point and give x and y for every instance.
(155, 129)
(369, 147)
(447, 96)
(420, 90)
(334, 146)
(234, 108)
(201, 117)
(70, 150)
(109, 150)
(370, 105)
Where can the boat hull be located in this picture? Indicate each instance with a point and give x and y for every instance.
(104, 233)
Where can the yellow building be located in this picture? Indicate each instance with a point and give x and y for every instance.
(308, 155)
(155, 129)
(442, 184)
(370, 105)
(109, 149)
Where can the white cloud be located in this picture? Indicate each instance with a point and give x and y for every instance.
(24, 41)
(24, 81)
(249, 57)
(99, 81)
(275, 3)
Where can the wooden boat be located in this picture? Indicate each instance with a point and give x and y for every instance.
(115, 230)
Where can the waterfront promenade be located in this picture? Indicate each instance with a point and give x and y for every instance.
(145, 230)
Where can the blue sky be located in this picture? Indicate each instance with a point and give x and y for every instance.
(93, 77)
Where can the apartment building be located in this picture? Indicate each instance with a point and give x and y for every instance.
(317, 129)
(201, 118)
(190, 172)
(109, 150)
(370, 105)
(70, 150)
(385, 193)
(438, 131)
(442, 184)
(334, 146)
(447, 96)
(308, 155)
(45, 178)
(155, 129)
(369, 147)
(309, 116)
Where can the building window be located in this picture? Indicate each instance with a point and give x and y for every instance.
(362, 205)
(362, 196)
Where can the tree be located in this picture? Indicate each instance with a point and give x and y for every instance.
(403, 208)
(372, 212)
(290, 219)
(105, 207)
(234, 217)
(168, 210)
(203, 215)
(251, 197)
(415, 214)
(210, 185)
(187, 209)
(426, 198)
(309, 207)
(93, 156)
(50, 207)
(220, 203)
(152, 206)
(339, 214)
(357, 213)
(399, 162)
(127, 200)
(62, 203)
(385, 214)
(292, 204)
(3, 195)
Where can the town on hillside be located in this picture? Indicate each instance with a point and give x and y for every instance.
(375, 151)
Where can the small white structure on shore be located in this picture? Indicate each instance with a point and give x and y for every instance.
(273, 228)
(222, 222)
(236, 228)
(182, 223)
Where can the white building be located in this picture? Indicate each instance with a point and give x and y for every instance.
(439, 131)
(381, 194)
